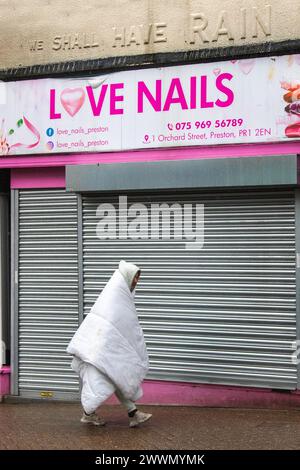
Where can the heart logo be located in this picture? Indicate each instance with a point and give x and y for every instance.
(233, 61)
(72, 100)
(217, 72)
(246, 65)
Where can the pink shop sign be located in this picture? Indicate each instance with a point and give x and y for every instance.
(234, 102)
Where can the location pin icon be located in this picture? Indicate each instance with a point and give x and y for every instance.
(146, 138)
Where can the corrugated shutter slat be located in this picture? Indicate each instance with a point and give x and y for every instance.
(48, 289)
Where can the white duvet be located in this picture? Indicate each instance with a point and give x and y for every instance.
(109, 348)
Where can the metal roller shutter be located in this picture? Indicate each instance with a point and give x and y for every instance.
(48, 290)
(225, 314)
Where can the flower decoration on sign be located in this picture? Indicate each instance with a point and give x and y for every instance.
(292, 100)
(5, 147)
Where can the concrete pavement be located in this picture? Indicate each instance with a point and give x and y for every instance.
(50, 425)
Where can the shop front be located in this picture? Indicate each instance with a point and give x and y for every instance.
(190, 172)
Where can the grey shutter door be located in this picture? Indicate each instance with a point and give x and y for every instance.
(225, 314)
(48, 291)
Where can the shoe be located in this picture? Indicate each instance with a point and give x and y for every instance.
(92, 419)
(139, 418)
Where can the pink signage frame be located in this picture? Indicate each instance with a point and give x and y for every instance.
(44, 171)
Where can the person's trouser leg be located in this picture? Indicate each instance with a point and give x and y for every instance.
(135, 417)
(128, 404)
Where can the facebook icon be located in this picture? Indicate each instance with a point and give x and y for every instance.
(50, 132)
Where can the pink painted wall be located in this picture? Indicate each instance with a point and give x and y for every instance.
(4, 381)
(175, 393)
(185, 153)
(21, 178)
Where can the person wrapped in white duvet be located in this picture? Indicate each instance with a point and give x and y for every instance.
(109, 351)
